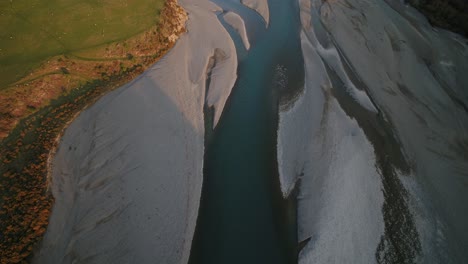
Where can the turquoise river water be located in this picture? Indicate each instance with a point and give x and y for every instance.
(243, 217)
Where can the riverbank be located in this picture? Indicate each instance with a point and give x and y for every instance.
(243, 217)
(25, 153)
(128, 172)
(384, 183)
(57, 75)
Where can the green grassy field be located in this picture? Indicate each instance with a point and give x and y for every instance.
(33, 30)
(105, 44)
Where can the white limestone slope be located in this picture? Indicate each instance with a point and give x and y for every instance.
(236, 22)
(416, 77)
(127, 175)
(261, 6)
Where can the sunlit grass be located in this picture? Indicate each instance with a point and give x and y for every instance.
(33, 30)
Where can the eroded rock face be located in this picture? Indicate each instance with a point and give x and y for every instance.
(175, 21)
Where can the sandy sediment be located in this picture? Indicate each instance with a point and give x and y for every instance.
(127, 175)
(326, 152)
(261, 6)
(415, 73)
(235, 21)
(386, 51)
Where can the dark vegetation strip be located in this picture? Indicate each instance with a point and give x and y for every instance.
(400, 242)
(25, 199)
(448, 14)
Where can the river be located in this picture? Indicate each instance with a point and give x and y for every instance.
(370, 149)
(243, 217)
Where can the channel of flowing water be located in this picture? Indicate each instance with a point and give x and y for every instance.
(243, 217)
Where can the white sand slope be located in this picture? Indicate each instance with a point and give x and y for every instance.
(416, 75)
(340, 192)
(236, 22)
(261, 6)
(127, 176)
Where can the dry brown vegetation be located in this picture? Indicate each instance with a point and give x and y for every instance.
(35, 111)
(58, 75)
